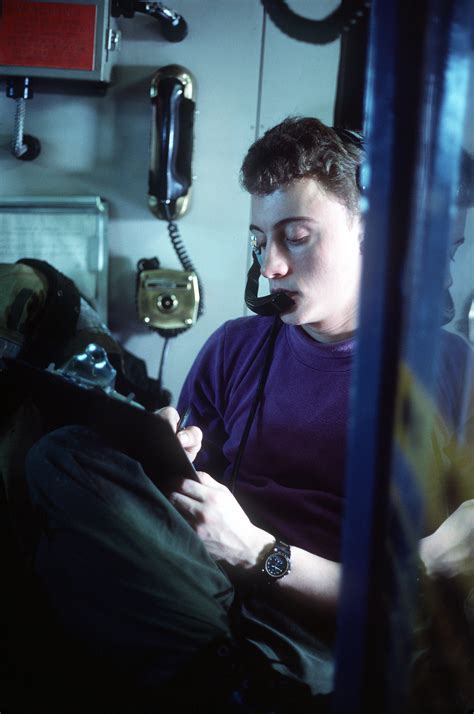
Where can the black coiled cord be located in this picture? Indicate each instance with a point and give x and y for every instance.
(185, 261)
(267, 361)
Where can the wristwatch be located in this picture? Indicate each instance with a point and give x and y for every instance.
(277, 563)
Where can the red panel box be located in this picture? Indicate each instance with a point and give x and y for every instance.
(47, 34)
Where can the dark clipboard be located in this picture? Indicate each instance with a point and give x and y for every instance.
(139, 433)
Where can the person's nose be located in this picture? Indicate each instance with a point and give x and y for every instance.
(274, 262)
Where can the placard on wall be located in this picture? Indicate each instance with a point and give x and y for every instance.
(70, 233)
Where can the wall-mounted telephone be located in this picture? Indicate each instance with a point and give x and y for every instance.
(166, 299)
(170, 301)
(169, 182)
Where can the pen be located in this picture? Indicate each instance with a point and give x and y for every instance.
(183, 421)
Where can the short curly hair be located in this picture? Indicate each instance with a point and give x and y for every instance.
(304, 147)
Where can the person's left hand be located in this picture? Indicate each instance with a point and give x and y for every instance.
(449, 551)
(219, 521)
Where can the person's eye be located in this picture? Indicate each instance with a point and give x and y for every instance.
(297, 238)
(454, 249)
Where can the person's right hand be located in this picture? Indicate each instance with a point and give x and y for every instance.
(190, 438)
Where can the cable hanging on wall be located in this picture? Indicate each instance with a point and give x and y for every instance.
(317, 32)
(349, 21)
(186, 262)
(24, 146)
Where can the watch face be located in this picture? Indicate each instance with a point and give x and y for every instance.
(276, 565)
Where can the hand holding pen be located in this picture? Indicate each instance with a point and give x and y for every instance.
(189, 436)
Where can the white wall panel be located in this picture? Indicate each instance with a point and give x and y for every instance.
(299, 78)
(99, 145)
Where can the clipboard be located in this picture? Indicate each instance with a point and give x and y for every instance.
(124, 425)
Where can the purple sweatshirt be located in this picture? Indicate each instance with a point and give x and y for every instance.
(291, 476)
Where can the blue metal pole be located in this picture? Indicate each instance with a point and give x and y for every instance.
(415, 101)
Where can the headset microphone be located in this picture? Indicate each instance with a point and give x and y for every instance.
(273, 304)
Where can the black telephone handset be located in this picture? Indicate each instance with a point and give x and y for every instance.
(273, 304)
(170, 177)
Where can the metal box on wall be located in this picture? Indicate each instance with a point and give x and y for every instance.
(57, 40)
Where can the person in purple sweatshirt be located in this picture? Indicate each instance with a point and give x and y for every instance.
(249, 551)
(307, 233)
